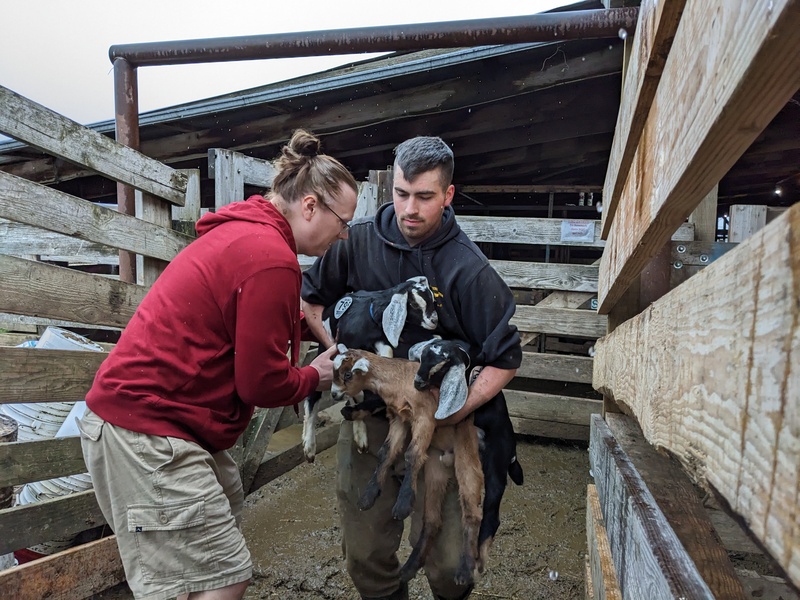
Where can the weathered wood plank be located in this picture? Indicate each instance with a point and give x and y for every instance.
(655, 31)
(50, 209)
(23, 462)
(649, 559)
(682, 507)
(724, 81)
(601, 564)
(527, 189)
(264, 423)
(746, 219)
(555, 367)
(31, 288)
(18, 239)
(711, 373)
(228, 176)
(556, 409)
(251, 171)
(560, 321)
(523, 230)
(53, 133)
(74, 574)
(30, 524)
(547, 276)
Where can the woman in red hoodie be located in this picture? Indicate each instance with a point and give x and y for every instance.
(217, 334)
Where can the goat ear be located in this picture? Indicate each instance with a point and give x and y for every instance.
(394, 318)
(453, 392)
(415, 352)
(341, 348)
(362, 365)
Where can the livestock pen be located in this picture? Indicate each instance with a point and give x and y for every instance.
(707, 372)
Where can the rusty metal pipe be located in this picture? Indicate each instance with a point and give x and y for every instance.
(541, 27)
(126, 105)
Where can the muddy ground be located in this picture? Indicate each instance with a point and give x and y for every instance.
(291, 527)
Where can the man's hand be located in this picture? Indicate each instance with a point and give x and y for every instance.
(324, 366)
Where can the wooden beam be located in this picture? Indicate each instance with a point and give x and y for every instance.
(711, 374)
(555, 367)
(30, 524)
(704, 218)
(74, 574)
(551, 415)
(238, 170)
(547, 276)
(31, 288)
(264, 424)
(55, 134)
(649, 559)
(49, 209)
(23, 462)
(709, 107)
(655, 30)
(682, 507)
(522, 230)
(527, 189)
(560, 321)
(604, 584)
(745, 221)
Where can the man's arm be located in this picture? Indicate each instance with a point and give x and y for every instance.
(488, 383)
(313, 316)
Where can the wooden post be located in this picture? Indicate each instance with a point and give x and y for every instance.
(184, 217)
(704, 218)
(745, 221)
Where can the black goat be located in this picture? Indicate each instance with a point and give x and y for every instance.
(443, 364)
(371, 321)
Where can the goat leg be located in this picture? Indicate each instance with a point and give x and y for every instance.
(470, 483)
(422, 429)
(436, 479)
(310, 418)
(389, 451)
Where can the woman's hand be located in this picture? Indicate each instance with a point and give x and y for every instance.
(324, 366)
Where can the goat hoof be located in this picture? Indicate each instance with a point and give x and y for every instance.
(401, 512)
(367, 500)
(408, 573)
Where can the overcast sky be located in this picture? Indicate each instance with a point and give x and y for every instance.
(55, 52)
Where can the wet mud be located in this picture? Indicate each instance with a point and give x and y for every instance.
(291, 527)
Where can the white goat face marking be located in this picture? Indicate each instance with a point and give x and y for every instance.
(341, 306)
(422, 296)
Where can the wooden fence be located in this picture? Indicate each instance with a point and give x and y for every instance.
(709, 371)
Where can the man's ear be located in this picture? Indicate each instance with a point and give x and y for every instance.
(449, 194)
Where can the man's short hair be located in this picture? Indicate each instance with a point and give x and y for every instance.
(422, 154)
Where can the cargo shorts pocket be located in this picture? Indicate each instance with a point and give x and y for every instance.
(171, 539)
(90, 426)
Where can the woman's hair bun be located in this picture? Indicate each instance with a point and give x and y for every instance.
(304, 143)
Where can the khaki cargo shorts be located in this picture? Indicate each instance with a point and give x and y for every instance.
(173, 506)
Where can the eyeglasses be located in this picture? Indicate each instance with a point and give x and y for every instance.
(345, 225)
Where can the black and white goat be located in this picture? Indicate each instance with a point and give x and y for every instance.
(443, 364)
(371, 321)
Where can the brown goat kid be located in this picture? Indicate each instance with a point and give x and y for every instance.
(412, 410)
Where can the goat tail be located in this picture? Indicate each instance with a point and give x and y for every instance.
(515, 471)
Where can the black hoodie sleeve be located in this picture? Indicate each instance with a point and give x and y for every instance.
(326, 280)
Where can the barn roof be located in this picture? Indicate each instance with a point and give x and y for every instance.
(525, 114)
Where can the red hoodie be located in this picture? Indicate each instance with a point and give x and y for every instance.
(210, 339)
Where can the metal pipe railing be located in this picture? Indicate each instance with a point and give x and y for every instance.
(541, 27)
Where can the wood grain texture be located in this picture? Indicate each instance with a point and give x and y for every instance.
(649, 559)
(655, 30)
(711, 374)
(74, 574)
(560, 321)
(725, 79)
(45, 208)
(55, 134)
(547, 276)
(23, 462)
(555, 367)
(40, 290)
(602, 574)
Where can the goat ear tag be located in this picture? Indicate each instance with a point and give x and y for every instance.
(452, 393)
(394, 318)
(341, 306)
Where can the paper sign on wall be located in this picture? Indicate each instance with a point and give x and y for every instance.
(577, 231)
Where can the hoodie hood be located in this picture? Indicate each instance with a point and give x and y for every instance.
(388, 231)
(256, 209)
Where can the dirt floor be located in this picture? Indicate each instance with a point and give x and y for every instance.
(291, 527)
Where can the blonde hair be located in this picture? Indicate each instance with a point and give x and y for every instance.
(302, 169)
